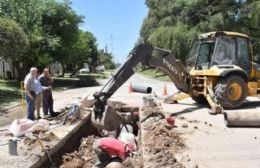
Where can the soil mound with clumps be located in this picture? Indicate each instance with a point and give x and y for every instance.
(83, 158)
(161, 144)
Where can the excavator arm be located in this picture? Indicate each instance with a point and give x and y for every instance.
(148, 55)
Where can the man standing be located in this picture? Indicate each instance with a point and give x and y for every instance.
(38, 98)
(29, 87)
(46, 81)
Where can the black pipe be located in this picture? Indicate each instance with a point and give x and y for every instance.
(141, 89)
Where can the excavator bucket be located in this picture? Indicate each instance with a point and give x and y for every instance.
(111, 120)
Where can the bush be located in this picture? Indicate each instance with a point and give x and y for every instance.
(80, 81)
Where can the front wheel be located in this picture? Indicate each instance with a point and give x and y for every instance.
(231, 91)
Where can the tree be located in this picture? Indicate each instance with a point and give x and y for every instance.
(60, 22)
(27, 14)
(13, 41)
(84, 51)
(93, 52)
(105, 58)
(173, 24)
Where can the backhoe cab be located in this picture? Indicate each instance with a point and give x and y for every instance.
(222, 71)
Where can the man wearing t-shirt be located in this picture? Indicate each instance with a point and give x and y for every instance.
(29, 87)
(47, 99)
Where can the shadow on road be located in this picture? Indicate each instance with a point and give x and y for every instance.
(187, 110)
(250, 105)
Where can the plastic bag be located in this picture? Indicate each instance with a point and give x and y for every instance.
(128, 138)
(20, 127)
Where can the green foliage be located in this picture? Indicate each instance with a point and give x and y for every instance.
(61, 23)
(12, 38)
(174, 38)
(173, 24)
(106, 59)
(84, 50)
(39, 32)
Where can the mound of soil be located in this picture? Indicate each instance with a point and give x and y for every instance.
(83, 158)
(161, 144)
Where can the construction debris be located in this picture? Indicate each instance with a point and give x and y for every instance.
(84, 157)
(120, 118)
(184, 125)
(160, 142)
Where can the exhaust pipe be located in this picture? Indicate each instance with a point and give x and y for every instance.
(242, 119)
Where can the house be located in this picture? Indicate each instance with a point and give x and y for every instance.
(6, 70)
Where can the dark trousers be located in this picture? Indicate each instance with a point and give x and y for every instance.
(30, 105)
(47, 102)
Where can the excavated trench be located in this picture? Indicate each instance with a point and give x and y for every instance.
(157, 143)
(68, 144)
(84, 155)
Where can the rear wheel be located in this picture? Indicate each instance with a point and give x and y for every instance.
(231, 91)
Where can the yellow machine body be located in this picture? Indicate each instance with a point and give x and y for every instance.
(204, 81)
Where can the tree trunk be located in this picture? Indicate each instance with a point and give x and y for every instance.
(63, 69)
(4, 69)
(92, 69)
(75, 70)
(21, 70)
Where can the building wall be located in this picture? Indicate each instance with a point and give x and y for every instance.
(4, 68)
(56, 68)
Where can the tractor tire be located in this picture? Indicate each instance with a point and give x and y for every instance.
(200, 99)
(231, 91)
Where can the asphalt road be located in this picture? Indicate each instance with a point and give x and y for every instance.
(209, 143)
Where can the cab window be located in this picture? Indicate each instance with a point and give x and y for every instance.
(243, 59)
(225, 52)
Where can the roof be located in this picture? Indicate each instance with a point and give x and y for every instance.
(217, 33)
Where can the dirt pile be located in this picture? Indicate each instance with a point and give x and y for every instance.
(33, 144)
(84, 157)
(135, 161)
(162, 142)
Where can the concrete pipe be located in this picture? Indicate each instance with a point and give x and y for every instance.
(242, 119)
(141, 89)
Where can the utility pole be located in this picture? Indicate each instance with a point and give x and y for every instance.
(111, 41)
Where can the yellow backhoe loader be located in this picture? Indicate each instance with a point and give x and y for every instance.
(219, 71)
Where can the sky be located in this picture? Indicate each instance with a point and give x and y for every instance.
(115, 23)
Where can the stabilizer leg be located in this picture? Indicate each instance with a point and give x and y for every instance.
(215, 106)
(175, 97)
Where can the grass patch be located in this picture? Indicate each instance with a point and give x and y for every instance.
(153, 73)
(9, 92)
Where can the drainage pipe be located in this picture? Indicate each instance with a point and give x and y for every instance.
(141, 89)
(242, 119)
